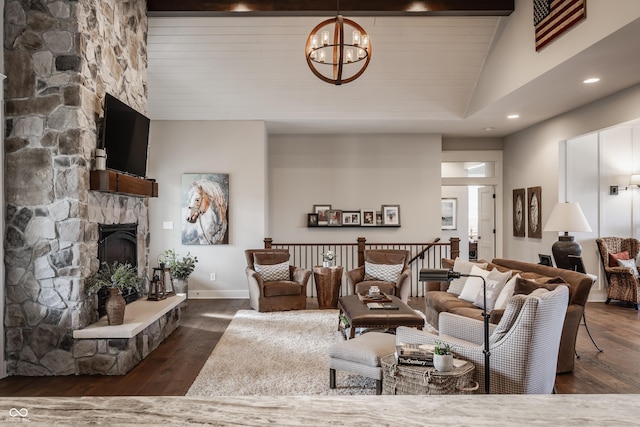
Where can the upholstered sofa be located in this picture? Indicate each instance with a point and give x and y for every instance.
(438, 300)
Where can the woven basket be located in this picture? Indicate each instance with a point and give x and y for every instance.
(418, 380)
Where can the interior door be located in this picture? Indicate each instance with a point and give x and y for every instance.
(486, 223)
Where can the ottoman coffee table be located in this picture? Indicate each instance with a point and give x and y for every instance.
(360, 316)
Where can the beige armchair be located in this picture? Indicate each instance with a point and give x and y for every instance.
(380, 262)
(288, 292)
(523, 346)
(623, 285)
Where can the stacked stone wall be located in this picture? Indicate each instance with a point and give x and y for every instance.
(61, 56)
(119, 356)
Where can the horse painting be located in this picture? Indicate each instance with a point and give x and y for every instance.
(206, 213)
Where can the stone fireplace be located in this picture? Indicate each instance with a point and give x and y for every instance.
(61, 56)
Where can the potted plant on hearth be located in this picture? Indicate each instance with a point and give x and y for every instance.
(116, 277)
(442, 357)
(181, 268)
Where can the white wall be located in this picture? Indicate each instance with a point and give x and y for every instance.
(274, 184)
(236, 148)
(509, 66)
(532, 157)
(353, 172)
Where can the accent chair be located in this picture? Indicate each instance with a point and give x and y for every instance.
(623, 283)
(386, 268)
(523, 346)
(274, 285)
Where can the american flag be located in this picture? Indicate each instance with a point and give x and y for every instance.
(552, 17)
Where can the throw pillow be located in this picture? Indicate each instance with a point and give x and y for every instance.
(473, 284)
(525, 287)
(272, 272)
(506, 293)
(629, 263)
(496, 280)
(463, 267)
(613, 258)
(383, 272)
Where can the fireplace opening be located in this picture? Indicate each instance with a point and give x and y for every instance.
(117, 242)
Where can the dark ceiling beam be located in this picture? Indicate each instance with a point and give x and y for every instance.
(328, 7)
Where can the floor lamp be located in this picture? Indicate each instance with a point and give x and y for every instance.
(444, 275)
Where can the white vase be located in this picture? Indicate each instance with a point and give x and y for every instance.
(443, 362)
(326, 263)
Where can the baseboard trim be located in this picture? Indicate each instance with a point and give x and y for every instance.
(209, 294)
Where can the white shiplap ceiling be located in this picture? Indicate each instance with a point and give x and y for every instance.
(421, 79)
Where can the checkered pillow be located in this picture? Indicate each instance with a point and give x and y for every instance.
(383, 272)
(272, 272)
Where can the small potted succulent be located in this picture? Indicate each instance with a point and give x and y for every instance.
(442, 357)
(116, 278)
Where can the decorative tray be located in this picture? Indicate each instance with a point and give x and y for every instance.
(366, 297)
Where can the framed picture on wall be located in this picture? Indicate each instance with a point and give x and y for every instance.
(449, 216)
(519, 221)
(368, 217)
(322, 210)
(312, 220)
(351, 218)
(391, 215)
(205, 209)
(534, 209)
(334, 216)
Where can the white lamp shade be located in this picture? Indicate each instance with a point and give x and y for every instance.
(635, 180)
(567, 217)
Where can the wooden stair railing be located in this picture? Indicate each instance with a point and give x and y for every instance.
(351, 255)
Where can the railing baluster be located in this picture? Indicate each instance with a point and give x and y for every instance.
(422, 255)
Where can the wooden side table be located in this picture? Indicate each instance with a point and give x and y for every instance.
(328, 281)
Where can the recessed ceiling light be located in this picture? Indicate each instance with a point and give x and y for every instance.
(591, 80)
(513, 116)
(489, 128)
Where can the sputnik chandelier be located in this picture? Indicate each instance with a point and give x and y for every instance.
(332, 59)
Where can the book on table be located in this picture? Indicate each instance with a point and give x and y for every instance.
(414, 354)
(382, 306)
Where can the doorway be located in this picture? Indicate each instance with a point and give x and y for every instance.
(475, 179)
(475, 220)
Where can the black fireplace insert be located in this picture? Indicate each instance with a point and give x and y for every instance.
(117, 242)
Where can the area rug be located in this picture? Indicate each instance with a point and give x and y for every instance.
(281, 353)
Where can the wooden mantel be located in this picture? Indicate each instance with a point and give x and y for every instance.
(110, 181)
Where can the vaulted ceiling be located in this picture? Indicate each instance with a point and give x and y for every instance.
(224, 60)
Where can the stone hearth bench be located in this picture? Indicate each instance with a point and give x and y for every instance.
(100, 349)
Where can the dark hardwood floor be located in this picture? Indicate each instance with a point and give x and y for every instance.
(172, 367)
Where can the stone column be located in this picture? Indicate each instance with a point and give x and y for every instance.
(61, 56)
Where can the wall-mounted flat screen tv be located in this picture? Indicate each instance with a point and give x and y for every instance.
(125, 137)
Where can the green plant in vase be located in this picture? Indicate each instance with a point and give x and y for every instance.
(442, 348)
(181, 268)
(328, 257)
(116, 278)
(443, 357)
